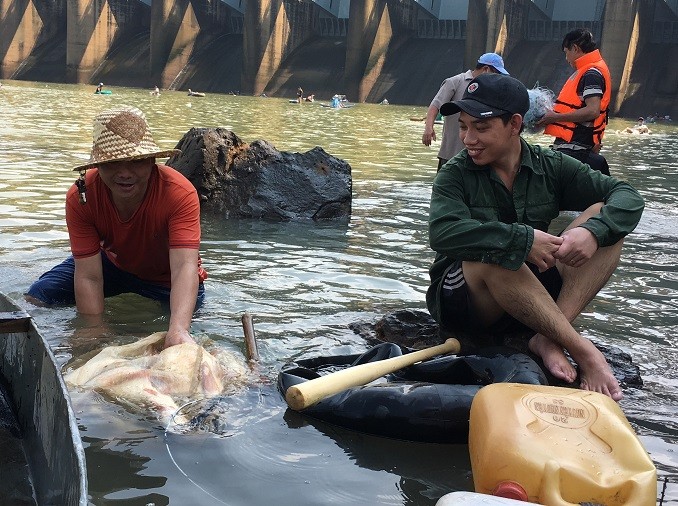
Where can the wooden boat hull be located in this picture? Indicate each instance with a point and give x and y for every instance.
(37, 395)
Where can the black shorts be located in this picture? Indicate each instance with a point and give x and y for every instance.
(457, 312)
(595, 160)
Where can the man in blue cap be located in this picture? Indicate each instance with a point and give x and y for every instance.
(497, 267)
(452, 89)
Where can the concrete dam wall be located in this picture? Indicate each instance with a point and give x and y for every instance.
(275, 46)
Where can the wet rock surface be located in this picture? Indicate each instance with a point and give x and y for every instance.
(417, 329)
(256, 180)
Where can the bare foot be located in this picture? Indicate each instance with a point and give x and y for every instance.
(554, 358)
(596, 375)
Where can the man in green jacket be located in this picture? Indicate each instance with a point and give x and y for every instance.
(497, 266)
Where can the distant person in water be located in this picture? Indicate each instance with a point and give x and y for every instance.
(310, 98)
(134, 227)
(300, 94)
(497, 268)
(639, 128)
(100, 88)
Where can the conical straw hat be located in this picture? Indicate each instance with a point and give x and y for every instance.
(121, 134)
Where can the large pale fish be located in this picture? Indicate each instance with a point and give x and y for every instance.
(144, 375)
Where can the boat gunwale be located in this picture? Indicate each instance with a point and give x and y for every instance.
(29, 370)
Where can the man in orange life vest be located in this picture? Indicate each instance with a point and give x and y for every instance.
(579, 115)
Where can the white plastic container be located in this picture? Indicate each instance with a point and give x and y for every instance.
(562, 446)
(474, 499)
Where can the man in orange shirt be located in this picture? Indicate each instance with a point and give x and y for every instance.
(134, 227)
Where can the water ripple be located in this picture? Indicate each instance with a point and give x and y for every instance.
(304, 283)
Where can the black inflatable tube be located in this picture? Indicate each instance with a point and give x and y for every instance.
(428, 402)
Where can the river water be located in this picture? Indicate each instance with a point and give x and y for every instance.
(303, 284)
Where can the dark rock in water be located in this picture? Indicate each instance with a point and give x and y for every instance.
(626, 372)
(417, 329)
(258, 181)
(409, 328)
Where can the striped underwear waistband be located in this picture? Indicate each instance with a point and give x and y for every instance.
(454, 279)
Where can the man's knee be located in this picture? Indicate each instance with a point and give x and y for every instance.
(476, 272)
(590, 211)
(587, 213)
(481, 277)
(480, 271)
(45, 292)
(54, 286)
(34, 301)
(594, 209)
(612, 252)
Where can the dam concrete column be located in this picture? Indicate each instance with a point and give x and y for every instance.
(619, 44)
(484, 25)
(494, 26)
(90, 30)
(476, 31)
(21, 25)
(174, 31)
(266, 32)
(369, 34)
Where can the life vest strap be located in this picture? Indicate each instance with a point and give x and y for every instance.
(566, 126)
(567, 104)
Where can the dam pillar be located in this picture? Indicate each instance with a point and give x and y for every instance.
(272, 30)
(21, 27)
(265, 33)
(476, 31)
(494, 26)
(370, 31)
(174, 32)
(90, 30)
(619, 44)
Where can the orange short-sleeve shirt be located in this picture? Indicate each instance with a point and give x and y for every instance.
(169, 217)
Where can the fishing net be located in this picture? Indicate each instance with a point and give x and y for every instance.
(541, 100)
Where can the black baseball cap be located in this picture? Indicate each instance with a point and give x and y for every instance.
(491, 95)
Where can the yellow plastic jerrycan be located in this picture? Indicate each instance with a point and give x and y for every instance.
(557, 446)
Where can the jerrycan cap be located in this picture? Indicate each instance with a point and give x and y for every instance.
(510, 490)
